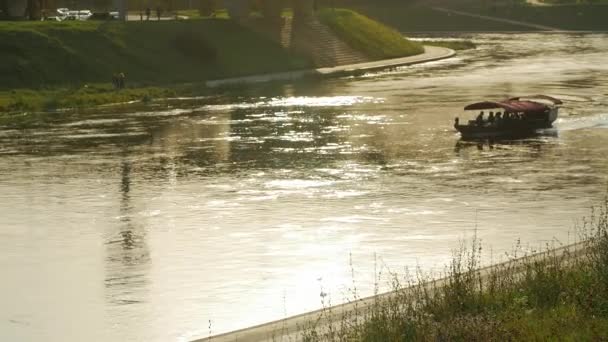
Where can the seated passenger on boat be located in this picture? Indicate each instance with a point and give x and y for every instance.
(479, 119)
(517, 116)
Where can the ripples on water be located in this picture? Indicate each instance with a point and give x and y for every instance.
(243, 207)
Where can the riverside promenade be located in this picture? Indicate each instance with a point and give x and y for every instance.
(292, 328)
(431, 53)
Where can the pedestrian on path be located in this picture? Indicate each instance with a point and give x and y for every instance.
(118, 80)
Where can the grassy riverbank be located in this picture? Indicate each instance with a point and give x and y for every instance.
(49, 65)
(559, 296)
(415, 17)
(407, 17)
(370, 37)
(49, 54)
(23, 100)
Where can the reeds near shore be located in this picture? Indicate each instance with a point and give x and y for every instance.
(560, 294)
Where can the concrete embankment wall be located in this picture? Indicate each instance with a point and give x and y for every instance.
(432, 53)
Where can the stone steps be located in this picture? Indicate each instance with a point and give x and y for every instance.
(309, 37)
(325, 48)
(286, 33)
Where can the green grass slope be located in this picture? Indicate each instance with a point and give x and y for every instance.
(406, 17)
(49, 54)
(370, 37)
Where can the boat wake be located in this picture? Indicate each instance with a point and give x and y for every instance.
(586, 122)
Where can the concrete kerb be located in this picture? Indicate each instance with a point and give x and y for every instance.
(290, 328)
(431, 53)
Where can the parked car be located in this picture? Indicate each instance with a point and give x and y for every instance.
(62, 12)
(67, 14)
(104, 16)
(54, 18)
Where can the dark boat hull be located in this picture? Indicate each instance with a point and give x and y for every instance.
(476, 132)
(507, 129)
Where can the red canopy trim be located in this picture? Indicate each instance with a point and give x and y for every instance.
(510, 106)
(540, 97)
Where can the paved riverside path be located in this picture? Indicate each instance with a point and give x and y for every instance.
(291, 329)
(431, 53)
(502, 20)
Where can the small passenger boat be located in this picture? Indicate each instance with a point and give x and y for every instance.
(516, 117)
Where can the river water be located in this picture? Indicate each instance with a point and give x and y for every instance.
(172, 222)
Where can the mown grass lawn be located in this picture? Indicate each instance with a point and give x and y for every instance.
(370, 37)
(70, 54)
(407, 17)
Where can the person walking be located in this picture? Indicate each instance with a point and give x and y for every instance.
(147, 13)
(158, 12)
(121, 80)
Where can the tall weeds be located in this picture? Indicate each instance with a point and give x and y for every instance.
(559, 294)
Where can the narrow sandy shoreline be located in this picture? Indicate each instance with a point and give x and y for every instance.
(431, 53)
(289, 329)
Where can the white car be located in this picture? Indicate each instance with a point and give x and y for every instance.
(62, 12)
(67, 14)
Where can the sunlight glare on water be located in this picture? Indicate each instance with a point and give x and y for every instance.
(171, 222)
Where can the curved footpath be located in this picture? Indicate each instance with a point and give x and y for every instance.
(291, 328)
(431, 53)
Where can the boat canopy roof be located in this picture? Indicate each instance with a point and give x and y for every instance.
(510, 106)
(520, 104)
(539, 97)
